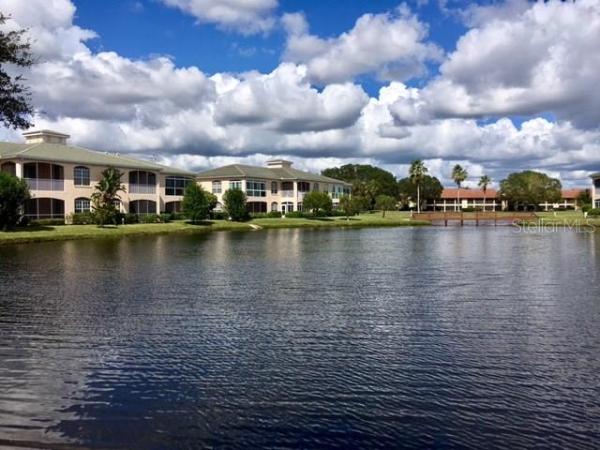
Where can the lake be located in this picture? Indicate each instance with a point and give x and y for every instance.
(401, 337)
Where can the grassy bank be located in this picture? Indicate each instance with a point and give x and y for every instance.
(68, 232)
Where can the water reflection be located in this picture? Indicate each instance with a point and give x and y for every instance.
(295, 338)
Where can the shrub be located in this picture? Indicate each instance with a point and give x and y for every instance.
(165, 217)
(149, 218)
(267, 215)
(48, 222)
(84, 218)
(318, 203)
(295, 215)
(197, 203)
(219, 215)
(594, 212)
(469, 209)
(234, 202)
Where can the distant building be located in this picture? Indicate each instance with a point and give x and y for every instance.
(61, 177)
(277, 187)
(453, 200)
(569, 200)
(596, 189)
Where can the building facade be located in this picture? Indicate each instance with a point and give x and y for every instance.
(454, 199)
(62, 177)
(568, 201)
(276, 187)
(596, 189)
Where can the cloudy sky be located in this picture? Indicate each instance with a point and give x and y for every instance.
(495, 86)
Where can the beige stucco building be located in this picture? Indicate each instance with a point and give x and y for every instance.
(596, 189)
(62, 177)
(277, 187)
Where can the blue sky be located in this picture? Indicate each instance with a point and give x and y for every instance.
(495, 86)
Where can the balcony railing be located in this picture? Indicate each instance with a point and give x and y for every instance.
(142, 188)
(287, 194)
(44, 184)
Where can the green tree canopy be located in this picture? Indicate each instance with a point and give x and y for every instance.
(385, 203)
(234, 202)
(106, 197)
(348, 206)
(431, 189)
(383, 181)
(13, 194)
(15, 106)
(317, 202)
(459, 175)
(585, 198)
(197, 203)
(527, 189)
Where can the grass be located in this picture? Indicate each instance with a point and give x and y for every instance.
(69, 232)
(566, 218)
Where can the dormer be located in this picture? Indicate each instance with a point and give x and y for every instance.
(46, 137)
(279, 164)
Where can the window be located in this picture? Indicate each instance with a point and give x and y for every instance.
(142, 207)
(142, 177)
(45, 208)
(9, 167)
(316, 187)
(235, 184)
(274, 206)
(81, 176)
(176, 185)
(303, 186)
(287, 207)
(173, 207)
(82, 205)
(274, 187)
(597, 183)
(256, 188)
(216, 187)
(598, 204)
(256, 207)
(299, 206)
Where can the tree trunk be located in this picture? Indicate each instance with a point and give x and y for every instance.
(418, 198)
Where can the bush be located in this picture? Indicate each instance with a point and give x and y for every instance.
(594, 212)
(318, 203)
(165, 217)
(48, 222)
(470, 209)
(127, 218)
(149, 218)
(176, 216)
(234, 202)
(267, 215)
(219, 215)
(13, 194)
(85, 218)
(197, 203)
(295, 215)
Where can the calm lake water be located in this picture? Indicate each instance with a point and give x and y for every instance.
(415, 338)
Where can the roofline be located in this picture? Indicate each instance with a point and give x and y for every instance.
(595, 175)
(244, 177)
(45, 131)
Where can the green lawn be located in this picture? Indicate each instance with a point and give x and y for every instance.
(66, 232)
(567, 218)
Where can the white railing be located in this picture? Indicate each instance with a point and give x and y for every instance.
(142, 188)
(287, 194)
(44, 184)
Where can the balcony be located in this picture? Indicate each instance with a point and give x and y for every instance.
(142, 188)
(287, 194)
(45, 184)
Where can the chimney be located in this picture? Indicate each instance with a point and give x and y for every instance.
(46, 137)
(279, 164)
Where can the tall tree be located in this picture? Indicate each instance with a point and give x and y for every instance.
(528, 189)
(13, 194)
(106, 197)
(197, 203)
(15, 98)
(348, 206)
(459, 175)
(484, 182)
(416, 173)
(382, 180)
(430, 189)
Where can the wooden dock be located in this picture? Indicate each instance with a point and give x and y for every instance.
(487, 217)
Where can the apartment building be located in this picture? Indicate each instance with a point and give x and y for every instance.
(61, 177)
(276, 187)
(454, 199)
(596, 189)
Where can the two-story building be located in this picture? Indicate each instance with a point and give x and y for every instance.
(595, 189)
(277, 187)
(62, 177)
(454, 199)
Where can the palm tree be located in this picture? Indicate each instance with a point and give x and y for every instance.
(106, 195)
(459, 175)
(416, 174)
(484, 182)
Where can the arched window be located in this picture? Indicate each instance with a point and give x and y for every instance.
(82, 205)
(81, 176)
(142, 182)
(9, 167)
(274, 206)
(142, 207)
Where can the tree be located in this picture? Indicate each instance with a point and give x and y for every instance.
(234, 203)
(317, 202)
(368, 190)
(15, 52)
(13, 194)
(416, 173)
(385, 203)
(383, 181)
(528, 189)
(459, 175)
(584, 199)
(484, 182)
(106, 197)
(430, 190)
(348, 206)
(360, 203)
(197, 203)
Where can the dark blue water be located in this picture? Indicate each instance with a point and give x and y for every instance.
(404, 338)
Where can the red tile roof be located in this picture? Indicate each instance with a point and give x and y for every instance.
(468, 194)
(571, 194)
